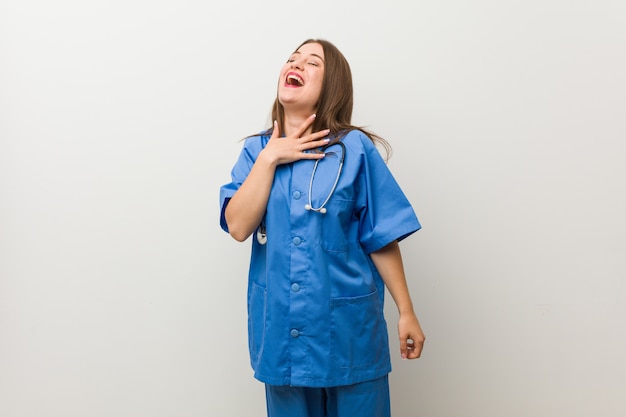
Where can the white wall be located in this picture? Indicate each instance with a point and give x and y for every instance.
(120, 295)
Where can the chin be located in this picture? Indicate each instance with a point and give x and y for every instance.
(292, 103)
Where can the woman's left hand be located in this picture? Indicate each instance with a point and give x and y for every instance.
(411, 336)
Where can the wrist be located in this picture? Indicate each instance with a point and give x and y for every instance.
(267, 159)
(406, 311)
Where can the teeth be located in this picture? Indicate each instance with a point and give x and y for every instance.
(293, 77)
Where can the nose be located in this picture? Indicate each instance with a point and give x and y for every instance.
(297, 63)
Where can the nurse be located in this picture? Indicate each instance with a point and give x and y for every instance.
(316, 284)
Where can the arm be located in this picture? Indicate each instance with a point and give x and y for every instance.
(247, 206)
(388, 261)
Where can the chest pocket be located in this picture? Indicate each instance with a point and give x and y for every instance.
(335, 225)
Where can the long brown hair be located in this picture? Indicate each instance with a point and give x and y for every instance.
(334, 108)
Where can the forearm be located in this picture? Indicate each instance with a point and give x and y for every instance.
(247, 207)
(388, 262)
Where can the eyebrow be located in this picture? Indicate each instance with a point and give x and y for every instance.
(315, 55)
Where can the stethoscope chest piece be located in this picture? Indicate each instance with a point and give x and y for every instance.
(261, 235)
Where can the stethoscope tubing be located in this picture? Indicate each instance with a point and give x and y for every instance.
(322, 208)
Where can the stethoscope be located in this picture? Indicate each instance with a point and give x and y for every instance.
(261, 233)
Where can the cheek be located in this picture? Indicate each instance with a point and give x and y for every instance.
(316, 81)
(318, 87)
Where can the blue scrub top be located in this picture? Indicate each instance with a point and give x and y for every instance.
(315, 298)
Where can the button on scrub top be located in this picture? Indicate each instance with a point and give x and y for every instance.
(315, 299)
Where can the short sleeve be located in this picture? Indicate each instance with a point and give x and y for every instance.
(385, 214)
(239, 173)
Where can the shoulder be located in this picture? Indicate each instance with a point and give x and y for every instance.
(358, 142)
(254, 144)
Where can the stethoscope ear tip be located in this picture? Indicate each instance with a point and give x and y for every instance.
(321, 210)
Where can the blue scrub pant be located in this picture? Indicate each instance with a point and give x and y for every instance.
(365, 399)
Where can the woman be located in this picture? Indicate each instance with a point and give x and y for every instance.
(327, 216)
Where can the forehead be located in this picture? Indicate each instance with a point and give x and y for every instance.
(311, 49)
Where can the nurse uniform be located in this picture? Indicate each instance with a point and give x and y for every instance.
(315, 298)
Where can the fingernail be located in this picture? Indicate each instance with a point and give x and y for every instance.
(403, 356)
(314, 115)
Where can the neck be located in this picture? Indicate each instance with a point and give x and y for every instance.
(293, 121)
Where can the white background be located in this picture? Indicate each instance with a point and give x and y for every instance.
(119, 120)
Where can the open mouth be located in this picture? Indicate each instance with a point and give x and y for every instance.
(294, 80)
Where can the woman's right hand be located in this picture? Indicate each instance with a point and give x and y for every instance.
(283, 150)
